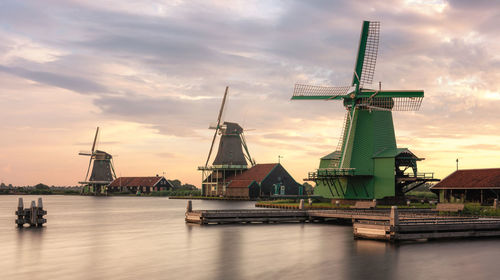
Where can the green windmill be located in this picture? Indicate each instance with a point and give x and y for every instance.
(367, 163)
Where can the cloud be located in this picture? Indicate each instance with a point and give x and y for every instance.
(74, 83)
(164, 66)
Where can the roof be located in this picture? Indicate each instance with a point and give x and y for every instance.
(240, 183)
(389, 153)
(136, 181)
(488, 178)
(257, 173)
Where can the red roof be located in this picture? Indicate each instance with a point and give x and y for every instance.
(471, 179)
(240, 183)
(257, 173)
(135, 181)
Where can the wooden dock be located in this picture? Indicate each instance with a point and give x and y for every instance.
(205, 217)
(378, 224)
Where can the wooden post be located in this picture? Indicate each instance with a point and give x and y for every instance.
(495, 204)
(301, 204)
(34, 213)
(394, 218)
(189, 208)
(20, 212)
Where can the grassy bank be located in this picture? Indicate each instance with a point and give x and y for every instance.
(470, 209)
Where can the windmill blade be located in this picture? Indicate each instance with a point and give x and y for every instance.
(391, 103)
(391, 100)
(88, 169)
(113, 168)
(367, 53)
(95, 139)
(218, 125)
(302, 91)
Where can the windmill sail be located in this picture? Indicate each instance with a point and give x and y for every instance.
(367, 53)
(319, 92)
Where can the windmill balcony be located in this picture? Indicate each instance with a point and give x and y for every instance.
(330, 172)
(420, 175)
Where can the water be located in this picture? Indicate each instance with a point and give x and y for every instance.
(146, 238)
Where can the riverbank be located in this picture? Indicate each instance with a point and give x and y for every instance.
(470, 209)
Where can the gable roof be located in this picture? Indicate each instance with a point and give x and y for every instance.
(137, 181)
(240, 183)
(390, 153)
(257, 173)
(488, 178)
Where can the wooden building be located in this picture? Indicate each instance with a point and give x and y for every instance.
(470, 185)
(262, 180)
(139, 184)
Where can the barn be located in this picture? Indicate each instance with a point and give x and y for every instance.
(470, 185)
(139, 184)
(262, 180)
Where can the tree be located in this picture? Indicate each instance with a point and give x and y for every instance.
(176, 183)
(308, 188)
(41, 186)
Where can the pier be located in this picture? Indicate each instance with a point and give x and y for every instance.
(378, 224)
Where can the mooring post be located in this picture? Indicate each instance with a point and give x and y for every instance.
(189, 207)
(495, 204)
(394, 218)
(393, 222)
(20, 212)
(34, 213)
(301, 204)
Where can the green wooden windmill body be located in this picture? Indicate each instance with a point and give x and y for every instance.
(364, 163)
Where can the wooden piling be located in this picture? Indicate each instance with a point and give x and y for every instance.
(394, 217)
(32, 215)
(20, 212)
(189, 207)
(301, 204)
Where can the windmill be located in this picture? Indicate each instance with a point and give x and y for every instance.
(232, 156)
(365, 162)
(103, 172)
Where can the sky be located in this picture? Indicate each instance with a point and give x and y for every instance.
(151, 74)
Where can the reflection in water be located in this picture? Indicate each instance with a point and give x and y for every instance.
(147, 238)
(369, 258)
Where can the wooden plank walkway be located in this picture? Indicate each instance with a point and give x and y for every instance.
(381, 224)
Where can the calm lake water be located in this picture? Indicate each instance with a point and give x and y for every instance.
(146, 238)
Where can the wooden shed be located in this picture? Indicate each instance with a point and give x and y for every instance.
(470, 185)
(140, 184)
(262, 180)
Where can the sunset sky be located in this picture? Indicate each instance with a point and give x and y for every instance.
(151, 75)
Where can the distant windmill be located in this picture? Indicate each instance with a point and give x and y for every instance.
(103, 171)
(232, 155)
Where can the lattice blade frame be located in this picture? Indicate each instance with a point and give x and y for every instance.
(371, 52)
(390, 103)
(302, 90)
